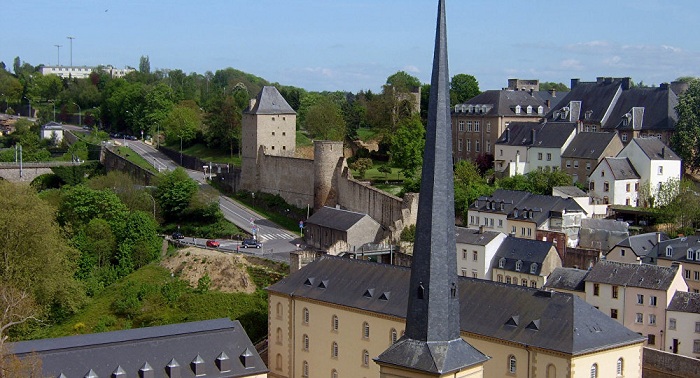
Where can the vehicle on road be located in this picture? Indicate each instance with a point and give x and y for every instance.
(251, 243)
(177, 235)
(213, 244)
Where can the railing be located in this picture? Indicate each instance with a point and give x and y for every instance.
(40, 164)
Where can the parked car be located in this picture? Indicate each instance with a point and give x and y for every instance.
(177, 235)
(213, 244)
(251, 243)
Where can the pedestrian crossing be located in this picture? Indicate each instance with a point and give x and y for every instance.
(276, 236)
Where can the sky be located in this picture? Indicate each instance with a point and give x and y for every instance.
(353, 45)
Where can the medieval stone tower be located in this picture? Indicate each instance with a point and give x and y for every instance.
(269, 123)
(327, 162)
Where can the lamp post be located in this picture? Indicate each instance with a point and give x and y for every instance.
(71, 50)
(80, 119)
(58, 55)
(53, 102)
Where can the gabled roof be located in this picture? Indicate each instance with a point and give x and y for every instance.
(526, 251)
(596, 99)
(567, 279)
(568, 191)
(679, 249)
(209, 340)
(642, 244)
(538, 208)
(643, 276)
(337, 219)
(685, 302)
(645, 108)
(546, 134)
(474, 237)
(621, 168)
(555, 321)
(589, 145)
(270, 101)
(655, 149)
(503, 102)
(52, 126)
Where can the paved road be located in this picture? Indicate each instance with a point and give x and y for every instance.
(277, 242)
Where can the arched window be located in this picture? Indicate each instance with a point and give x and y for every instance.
(278, 362)
(334, 373)
(533, 268)
(502, 262)
(551, 371)
(279, 335)
(594, 371)
(334, 350)
(393, 335)
(279, 309)
(334, 323)
(365, 330)
(305, 369)
(305, 316)
(518, 265)
(512, 364)
(620, 366)
(365, 358)
(305, 345)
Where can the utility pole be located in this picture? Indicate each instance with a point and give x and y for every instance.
(71, 50)
(58, 55)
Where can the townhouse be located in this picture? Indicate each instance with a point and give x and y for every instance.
(636, 249)
(475, 251)
(683, 327)
(526, 147)
(586, 150)
(684, 250)
(524, 262)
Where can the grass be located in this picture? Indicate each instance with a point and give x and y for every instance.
(373, 173)
(366, 134)
(303, 140)
(135, 158)
(214, 155)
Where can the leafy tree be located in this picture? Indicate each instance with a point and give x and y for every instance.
(407, 145)
(403, 82)
(81, 204)
(361, 165)
(469, 185)
(18, 307)
(385, 169)
(684, 209)
(158, 103)
(324, 120)
(540, 181)
(686, 139)
(559, 87)
(182, 125)
(175, 191)
(141, 238)
(144, 64)
(223, 124)
(462, 88)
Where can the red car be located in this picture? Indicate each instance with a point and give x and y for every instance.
(213, 243)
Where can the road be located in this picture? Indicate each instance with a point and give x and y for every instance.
(277, 242)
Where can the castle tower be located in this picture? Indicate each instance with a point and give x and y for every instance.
(432, 346)
(269, 123)
(326, 156)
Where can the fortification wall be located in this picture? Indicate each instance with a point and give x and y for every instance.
(291, 178)
(659, 364)
(113, 161)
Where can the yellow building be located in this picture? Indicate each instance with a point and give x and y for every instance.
(334, 316)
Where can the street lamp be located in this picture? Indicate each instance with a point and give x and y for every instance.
(29, 115)
(54, 109)
(71, 50)
(58, 55)
(80, 119)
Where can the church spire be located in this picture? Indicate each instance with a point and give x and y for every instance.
(432, 342)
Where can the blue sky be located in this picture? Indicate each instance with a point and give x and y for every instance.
(356, 44)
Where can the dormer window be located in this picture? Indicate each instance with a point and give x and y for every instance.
(502, 262)
(540, 110)
(518, 265)
(690, 254)
(533, 268)
(669, 251)
(517, 109)
(515, 213)
(470, 108)
(588, 114)
(529, 109)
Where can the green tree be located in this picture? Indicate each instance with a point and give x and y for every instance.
(548, 86)
(385, 169)
(407, 145)
(182, 125)
(81, 204)
(144, 64)
(223, 123)
(175, 191)
(462, 88)
(403, 82)
(686, 139)
(324, 120)
(361, 165)
(469, 185)
(140, 236)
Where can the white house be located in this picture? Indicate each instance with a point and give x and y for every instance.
(614, 181)
(683, 324)
(475, 251)
(655, 163)
(52, 130)
(525, 147)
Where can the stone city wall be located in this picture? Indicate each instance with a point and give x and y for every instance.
(659, 364)
(113, 161)
(291, 178)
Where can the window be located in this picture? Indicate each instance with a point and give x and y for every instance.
(697, 327)
(588, 166)
(334, 350)
(305, 316)
(500, 152)
(568, 164)
(690, 255)
(628, 187)
(652, 300)
(591, 185)
(469, 145)
(533, 283)
(575, 163)
(502, 262)
(624, 137)
(488, 127)
(334, 323)
(522, 231)
(640, 298)
(636, 186)
(500, 223)
(393, 335)
(305, 343)
(661, 170)
(539, 156)
(305, 369)
(549, 156)
(669, 251)
(477, 147)
(279, 310)
(461, 125)
(613, 313)
(507, 279)
(620, 366)
(512, 364)
(639, 318)
(687, 274)
(464, 272)
(596, 289)
(500, 278)
(672, 323)
(365, 330)
(365, 358)
(606, 186)
(469, 125)
(533, 268)
(696, 346)
(651, 339)
(696, 274)
(518, 265)
(524, 282)
(459, 145)
(488, 146)
(278, 362)
(475, 255)
(602, 173)
(652, 319)
(464, 254)
(476, 125)
(594, 371)
(334, 373)
(279, 336)
(614, 291)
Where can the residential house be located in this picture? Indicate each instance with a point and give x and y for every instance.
(636, 295)
(525, 147)
(614, 181)
(475, 251)
(586, 150)
(214, 348)
(636, 248)
(567, 280)
(333, 316)
(683, 250)
(524, 262)
(593, 210)
(683, 327)
(337, 230)
(53, 131)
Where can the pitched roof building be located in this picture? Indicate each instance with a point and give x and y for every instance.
(682, 250)
(586, 150)
(524, 147)
(524, 262)
(337, 230)
(684, 324)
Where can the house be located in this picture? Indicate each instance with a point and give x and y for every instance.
(335, 314)
(657, 165)
(524, 262)
(593, 210)
(53, 131)
(685, 251)
(475, 251)
(337, 230)
(586, 150)
(525, 147)
(478, 122)
(615, 181)
(215, 348)
(636, 295)
(636, 249)
(683, 327)
(567, 280)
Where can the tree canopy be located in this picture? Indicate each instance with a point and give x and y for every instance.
(686, 139)
(462, 88)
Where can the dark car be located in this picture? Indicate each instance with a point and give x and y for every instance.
(177, 235)
(213, 244)
(251, 243)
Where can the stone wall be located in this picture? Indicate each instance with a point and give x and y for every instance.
(29, 173)
(658, 364)
(113, 161)
(291, 178)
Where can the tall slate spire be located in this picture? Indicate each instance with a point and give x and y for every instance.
(432, 341)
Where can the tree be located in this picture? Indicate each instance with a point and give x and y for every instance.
(144, 64)
(324, 120)
(182, 125)
(469, 185)
(548, 86)
(407, 145)
(385, 169)
(16, 308)
(686, 139)
(175, 191)
(540, 181)
(361, 165)
(403, 82)
(462, 88)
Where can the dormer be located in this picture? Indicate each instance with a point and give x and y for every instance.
(533, 268)
(457, 108)
(502, 262)
(690, 254)
(669, 251)
(484, 109)
(518, 265)
(470, 108)
(529, 109)
(518, 109)
(588, 114)
(464, 108)
(540, 110)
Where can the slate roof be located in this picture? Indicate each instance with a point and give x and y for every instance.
(595, 97)
(270, 101)
(527, 251)
(658, 113)
(567, 279)
(131, 349)
(555, 321)
(642, 244)
(604, 224)
(52, 126)
(570, 191)
(588, 145)
(547, 134)
(503, 102)
(336, 219)
(655, 149)
(679, 249)
(643, 276)
(474, 237)
(536, 207)
(685, 302)
(621, 168)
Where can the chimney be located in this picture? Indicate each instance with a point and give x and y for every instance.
(553, 93)
(531, 91)
(664, 86)
(507, 135)
(481, 229)
(252, 103)
(547, 103)
(626, 83)
(658, 237)
(663, 152)
(533, 133)
(574, 83)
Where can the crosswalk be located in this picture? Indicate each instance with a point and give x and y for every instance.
(275, 236)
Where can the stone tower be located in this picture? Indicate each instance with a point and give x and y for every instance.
(327, 155)
(432, 345)
(268, 124)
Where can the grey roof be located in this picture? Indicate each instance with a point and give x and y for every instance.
(527, 251)
(547, 134)
(270, 101)
(649, 108)
(337, 219)
(570, 191)
(474, 237)
(559, 322)
(536, 207)
(621, 168)
(679, 249)
(589, 145)
(131, 349)
(567, 279)
(642, 244)
(594, 97)
(503, 102)
(604, 224)
(685, 302)
(655, 149)
(52, 126)
(643, 276)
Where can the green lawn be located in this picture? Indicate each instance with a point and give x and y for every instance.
(213, 155)
(373, 173)
(366, 134)
(135, 158)
(303, 139)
